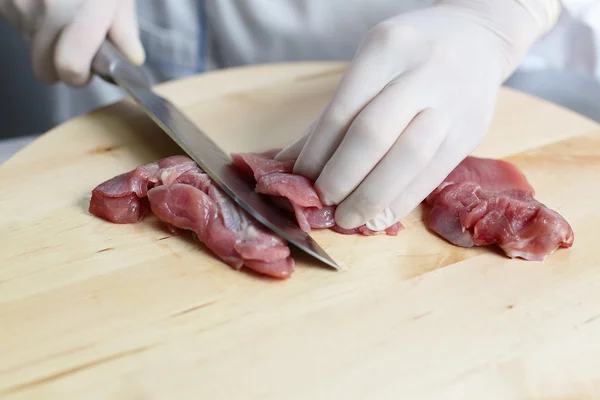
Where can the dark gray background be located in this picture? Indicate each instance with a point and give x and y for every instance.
(23, 100)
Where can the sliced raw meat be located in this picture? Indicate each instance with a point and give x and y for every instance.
(481, 202)
(261, 164)
(274, 178)
(122, 199)
(116, 201)
(484, 202)
(179, 193)
(289, 186)
(319, 218)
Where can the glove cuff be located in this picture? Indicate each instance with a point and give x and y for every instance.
(544, 12)
(516, 24)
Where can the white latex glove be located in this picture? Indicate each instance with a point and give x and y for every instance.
(65, 35)
(417, 98)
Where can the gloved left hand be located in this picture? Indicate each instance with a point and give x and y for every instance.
(65, 35)
(416, 100)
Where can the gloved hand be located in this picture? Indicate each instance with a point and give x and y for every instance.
(64, 36)
(417, 98)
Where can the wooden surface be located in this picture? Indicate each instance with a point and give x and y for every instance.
(92, 310)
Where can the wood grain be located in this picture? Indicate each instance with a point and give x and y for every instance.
(93, 310)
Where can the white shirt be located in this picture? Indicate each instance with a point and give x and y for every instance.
(185, 37)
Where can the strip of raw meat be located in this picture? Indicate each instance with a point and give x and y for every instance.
(179, 193)
(261, 164)
(481, 202)
(484, 202)
(275, 178)
(121, 200)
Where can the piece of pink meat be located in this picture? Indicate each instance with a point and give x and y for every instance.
(296, 193)
(481, 202)
(179, 193)
(122, 199)
(484, 202)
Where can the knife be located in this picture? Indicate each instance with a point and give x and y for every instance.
(114, 68)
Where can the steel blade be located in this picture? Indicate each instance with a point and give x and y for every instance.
(218, 165)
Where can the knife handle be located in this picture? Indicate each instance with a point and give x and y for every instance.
(109, 62)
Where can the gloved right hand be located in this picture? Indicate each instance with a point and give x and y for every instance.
(417, 98)
(64, 36)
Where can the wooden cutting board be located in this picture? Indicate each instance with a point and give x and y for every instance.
(92, 310)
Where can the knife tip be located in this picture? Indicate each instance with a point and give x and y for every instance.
(327, 260)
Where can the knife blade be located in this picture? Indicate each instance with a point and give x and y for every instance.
(112, 66)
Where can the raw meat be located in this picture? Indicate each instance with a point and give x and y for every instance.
(122, 199)
(179, 193)
(484, 202)
(481, 202)
(295, 193)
